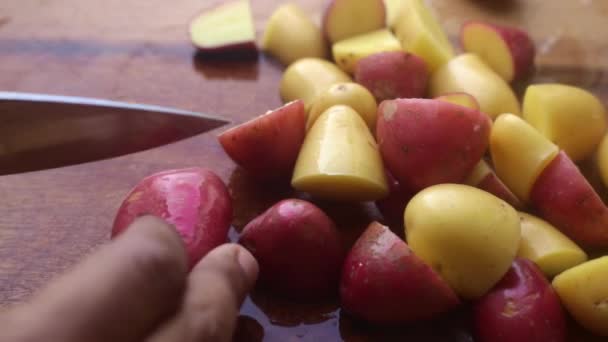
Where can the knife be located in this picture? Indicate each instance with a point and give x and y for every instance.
(40, 131)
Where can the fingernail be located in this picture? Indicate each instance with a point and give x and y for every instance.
(248, 264)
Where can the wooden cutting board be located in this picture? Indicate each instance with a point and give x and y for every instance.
(139, 51)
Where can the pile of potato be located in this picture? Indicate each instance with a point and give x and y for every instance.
(379, 107)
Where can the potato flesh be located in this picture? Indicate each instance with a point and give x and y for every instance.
(519, 153)
(340, 159)
(290, 35)
(348, 18)
(584, 294)
(421, 34)
(467, 235)
(602, 159)
(348, 52)
(231, 22)
(481, 171)
(349, 94)
(469, 74)
(571, 117)
(489, 45)
(461, 99)
(547, 247)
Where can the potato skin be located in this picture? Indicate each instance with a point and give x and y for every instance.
(194, 200)
(393, 206)
(521, 307)
(565, 199)
(384, 282)
(253, 144)
(298, 249)
(443, 143)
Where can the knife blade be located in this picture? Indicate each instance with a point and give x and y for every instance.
(41, 131)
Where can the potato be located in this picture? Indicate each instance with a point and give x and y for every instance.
(602, 159)
(392, 206)
(508, 50)
(339, 159)
(348, 52)
(484, 178)
(194, 200)
(467, 235)
(583, 292)
(349, 94)
(547, 247)
(343, 19)
(442, 145)
(290, 35)
(393, 10)
(460, 98)
(298, 249)
(570, 117)
(520, 153)
(564, 198)
(253, 144)
(468, 73)
(384, 282)
(521, 307)
(391, 75)
(421, 34)
(307, 77)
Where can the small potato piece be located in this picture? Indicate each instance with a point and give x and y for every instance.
(468, 73)
(339, 159)
(467, 235)
(519, 153)
(343, 19)
(547, 247)
(571, 117)
(290, 35)
(391, 75)
(421, 34)
(583, 291)
(384, 282)
(602, 159)
(393, 10)
(194, 200)
(484, 178)
(307, 77)
(348, 52)
(462, 99)
(298, 249)
(349, 94)
(521, 307)
(426, 142)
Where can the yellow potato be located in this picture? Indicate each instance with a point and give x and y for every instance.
(519, 153)
(547, 247)
(571, 117)
(349, 51)
(467, 235)
(350, 94)
(602, 159)
(479, 173)
(393, 10)
(469, 74)
(421, 34)
(290, 34)
(340, 159)
(307, 77)
(583, 291)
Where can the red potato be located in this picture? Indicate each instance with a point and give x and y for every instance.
(194, 200)
(484, 178)
(521, 307)
(442, 144)
(391, 75)
(298, 249)
(384, 282)
(267, 146)
(393, 206)
(565, 199)
(507, 50)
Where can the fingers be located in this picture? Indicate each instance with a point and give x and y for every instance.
(120, 293)
(217, 287)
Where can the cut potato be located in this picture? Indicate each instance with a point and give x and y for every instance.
(349, 94)
(461, 99)
(484, 178)
(348, 18)
(349, 51)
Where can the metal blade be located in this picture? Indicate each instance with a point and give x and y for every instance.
(46, 131)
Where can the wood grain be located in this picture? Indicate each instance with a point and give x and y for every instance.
(139, 51)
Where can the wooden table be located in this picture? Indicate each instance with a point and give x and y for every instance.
(139, 51)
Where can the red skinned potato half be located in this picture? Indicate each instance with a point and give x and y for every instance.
(391, 75)
(385, 283)
(521, 307)
(427, 142)
(194, 200)
(298, 249)
(267, 146)
(564, 198)
(507, 50)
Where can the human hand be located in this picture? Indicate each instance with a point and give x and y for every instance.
(137, 288)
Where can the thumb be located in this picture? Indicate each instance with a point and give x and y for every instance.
(216, 289)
